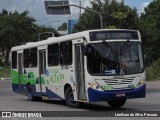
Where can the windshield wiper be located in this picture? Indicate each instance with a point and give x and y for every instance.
(110, 47)
(124, 46)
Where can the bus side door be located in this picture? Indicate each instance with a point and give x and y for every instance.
(20, 72)
(79, 70)
(42, 70)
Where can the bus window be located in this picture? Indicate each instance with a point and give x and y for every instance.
(66, 53)
(53, 55)
(33, 57)
(30, 57)
(14, 60)
(26, 58)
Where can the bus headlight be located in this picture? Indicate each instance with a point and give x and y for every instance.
(93, 85)
(141, 82)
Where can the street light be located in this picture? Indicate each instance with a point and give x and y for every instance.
(66, 5)
(39, 34)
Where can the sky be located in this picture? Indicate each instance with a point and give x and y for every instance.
(38, 12)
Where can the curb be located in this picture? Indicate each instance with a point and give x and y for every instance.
(5, 78)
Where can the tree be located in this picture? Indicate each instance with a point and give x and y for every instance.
(150, 29)
(63, 27)
(15, 29)
(114, 14)
(46, 32)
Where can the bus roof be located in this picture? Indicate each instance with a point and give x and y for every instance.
(62, 39)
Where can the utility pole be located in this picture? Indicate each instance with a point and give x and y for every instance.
(80, 4)
(123, 2)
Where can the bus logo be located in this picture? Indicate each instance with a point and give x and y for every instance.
(119, 77)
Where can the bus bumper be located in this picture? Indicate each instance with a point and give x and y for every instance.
(95, 95)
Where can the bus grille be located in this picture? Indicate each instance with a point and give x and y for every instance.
(119, 81)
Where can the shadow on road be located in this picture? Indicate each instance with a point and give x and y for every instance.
(86, 106)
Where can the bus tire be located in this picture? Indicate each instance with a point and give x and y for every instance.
(70, 98)
(30, 94)
(116, 103)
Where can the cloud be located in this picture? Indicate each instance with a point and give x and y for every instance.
(37, 10)
(143, 5)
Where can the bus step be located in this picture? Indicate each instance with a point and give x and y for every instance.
(82, 100)
(44, 98)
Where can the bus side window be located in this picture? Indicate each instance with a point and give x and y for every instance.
(26, 58)
(14, 60)
(66, 53)
(30, 58)
(33, 57)
(53, 55)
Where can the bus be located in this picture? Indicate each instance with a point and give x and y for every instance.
(89, 66)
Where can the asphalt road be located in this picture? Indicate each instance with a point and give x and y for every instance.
(10, 101)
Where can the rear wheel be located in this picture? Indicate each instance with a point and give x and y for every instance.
(70, 98)
(116, 103)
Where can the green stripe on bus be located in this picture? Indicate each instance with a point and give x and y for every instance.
(24, 78)
(14, 77)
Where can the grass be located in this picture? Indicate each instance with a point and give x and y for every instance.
(153, 71)
(5, 73)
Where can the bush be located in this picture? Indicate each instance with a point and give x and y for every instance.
(153, 71)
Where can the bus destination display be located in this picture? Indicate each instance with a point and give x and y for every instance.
(108, 35)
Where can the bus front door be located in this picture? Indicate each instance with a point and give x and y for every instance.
(79, 68)
(42, 70)
(20, 72)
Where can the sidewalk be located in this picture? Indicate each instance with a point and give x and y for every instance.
(5, 78)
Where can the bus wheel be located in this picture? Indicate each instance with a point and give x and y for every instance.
(70, 98)
(30, 94)
(116, 103)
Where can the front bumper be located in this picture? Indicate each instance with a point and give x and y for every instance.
(95, 95)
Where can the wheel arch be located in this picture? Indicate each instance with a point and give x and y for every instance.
(66, 86)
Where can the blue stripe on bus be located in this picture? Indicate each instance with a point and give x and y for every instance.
(48, 92)
(51, 94)
(95, 95)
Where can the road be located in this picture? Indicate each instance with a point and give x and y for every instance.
(10, 101)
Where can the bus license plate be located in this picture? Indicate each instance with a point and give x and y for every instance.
(120, 95)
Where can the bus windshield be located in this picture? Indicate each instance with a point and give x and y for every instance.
(115, 58)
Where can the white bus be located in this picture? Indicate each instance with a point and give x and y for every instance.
(89, 66)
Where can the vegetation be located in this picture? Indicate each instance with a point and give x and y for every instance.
(153, 71)
(5, 72)
(150, 29)
(63, 27)
(113, 13)
(16, 29)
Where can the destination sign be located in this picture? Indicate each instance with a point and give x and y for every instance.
(109, 35)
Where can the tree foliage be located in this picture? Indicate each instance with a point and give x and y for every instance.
(150, 29)
(46, 32)
(16, 29)
(63, 27)
(114, 14)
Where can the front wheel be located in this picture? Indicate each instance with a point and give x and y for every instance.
(116, 103)
(70, 98)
